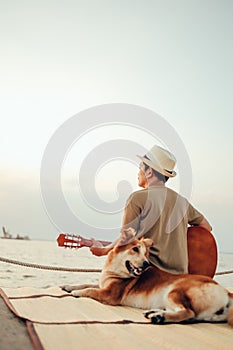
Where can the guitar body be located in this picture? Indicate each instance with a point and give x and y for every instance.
(202, 252)
(202, 249)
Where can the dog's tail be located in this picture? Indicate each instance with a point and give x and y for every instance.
(230, 312)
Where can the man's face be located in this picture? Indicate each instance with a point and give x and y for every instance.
(142, 181)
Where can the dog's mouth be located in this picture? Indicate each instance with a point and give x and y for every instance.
(133, 270)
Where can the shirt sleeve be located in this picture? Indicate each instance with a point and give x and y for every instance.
(194, 217)
(132, 213)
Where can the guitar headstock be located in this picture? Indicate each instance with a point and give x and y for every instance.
(73, 241)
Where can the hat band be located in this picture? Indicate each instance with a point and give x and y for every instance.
(168, 171)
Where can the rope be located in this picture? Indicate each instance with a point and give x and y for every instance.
(223, 272)
(46, 267)
(71, 269)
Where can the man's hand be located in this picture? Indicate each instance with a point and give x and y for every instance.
(98, 249)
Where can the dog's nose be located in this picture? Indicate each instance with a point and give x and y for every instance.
(145, 264)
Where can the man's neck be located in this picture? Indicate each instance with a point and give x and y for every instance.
(155, 182)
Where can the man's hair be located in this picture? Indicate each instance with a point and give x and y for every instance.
(159, 176)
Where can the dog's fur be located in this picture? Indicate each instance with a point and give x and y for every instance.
(127, 279)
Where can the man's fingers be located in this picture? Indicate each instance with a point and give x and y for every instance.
(96, 243)
(96, 251)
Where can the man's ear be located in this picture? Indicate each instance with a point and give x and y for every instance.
(147, 241)
(149, 172)
(127, 235)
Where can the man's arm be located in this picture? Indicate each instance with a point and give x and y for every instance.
(99, 250)
(195, 218)
(205, 224)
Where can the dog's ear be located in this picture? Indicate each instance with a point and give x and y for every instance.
(127, 235)
(148, 242)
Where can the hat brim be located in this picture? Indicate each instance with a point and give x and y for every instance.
(157, 168)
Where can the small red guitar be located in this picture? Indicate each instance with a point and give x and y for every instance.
(202, 249)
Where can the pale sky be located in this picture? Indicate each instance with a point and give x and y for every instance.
(59, 58)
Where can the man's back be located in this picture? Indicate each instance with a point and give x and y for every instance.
(163, 215)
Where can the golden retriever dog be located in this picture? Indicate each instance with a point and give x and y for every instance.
(128, 279)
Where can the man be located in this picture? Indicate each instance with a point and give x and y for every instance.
(159, 213)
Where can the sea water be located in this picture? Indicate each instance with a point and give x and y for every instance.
(49, 254)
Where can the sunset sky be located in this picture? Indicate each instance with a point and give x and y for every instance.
(59, 58)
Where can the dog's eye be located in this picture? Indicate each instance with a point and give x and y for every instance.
(135, 249)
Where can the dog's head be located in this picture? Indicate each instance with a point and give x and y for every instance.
(129, 258)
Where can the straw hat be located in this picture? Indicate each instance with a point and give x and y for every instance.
(160, 160)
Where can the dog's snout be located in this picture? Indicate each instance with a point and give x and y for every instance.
(145, 264)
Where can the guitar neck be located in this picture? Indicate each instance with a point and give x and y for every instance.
(74, 241)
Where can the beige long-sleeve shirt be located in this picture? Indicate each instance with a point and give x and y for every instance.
(163, 215)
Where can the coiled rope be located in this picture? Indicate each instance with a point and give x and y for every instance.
(71, 269)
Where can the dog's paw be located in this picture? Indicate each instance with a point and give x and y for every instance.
(76, 293)
(155, 316)
(66, 288)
